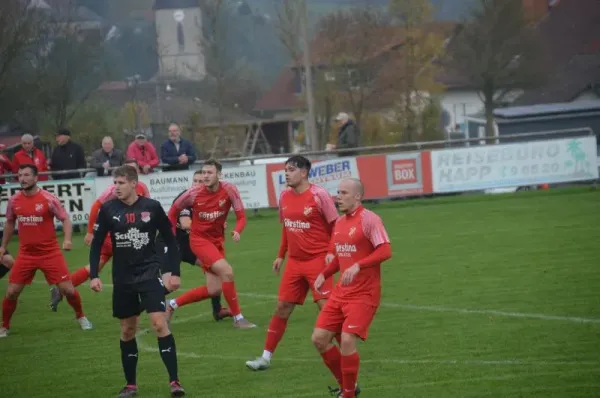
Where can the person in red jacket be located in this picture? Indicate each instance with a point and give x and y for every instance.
(29, 154)
(144, 152)
(6, 166)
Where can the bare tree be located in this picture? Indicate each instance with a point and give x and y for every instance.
(497, 50)
(287, 22)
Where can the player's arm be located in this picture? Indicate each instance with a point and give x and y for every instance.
(283, 245)
(333, 264)
(61, 215)
(9, 226)
(238, 207)
(327, 208)
(185, 219)
(93, 215)
(375, 232)
(163, 224)
(100, 231)
(184, 201)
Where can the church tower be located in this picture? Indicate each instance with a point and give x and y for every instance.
(179, 39)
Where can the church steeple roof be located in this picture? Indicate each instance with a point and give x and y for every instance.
(174, 4)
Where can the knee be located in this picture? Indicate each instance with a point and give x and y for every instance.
(348, 344)
(160, 326)
(12, 293)
(320, 340)
(284, 309)
(214, 290)
(67, 291)
(128, 332)
(225, 272)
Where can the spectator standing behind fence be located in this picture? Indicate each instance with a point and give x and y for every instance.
(106, 157)
(29, 154)
(6, 165)
(144, 152)
(176, 152)
(348, 135)
(66, 156)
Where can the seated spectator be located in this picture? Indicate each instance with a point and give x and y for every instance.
(66, 156)
(144, 153)
(29, 154)
(106, 157)
(176, 152)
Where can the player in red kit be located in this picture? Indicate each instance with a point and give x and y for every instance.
(34, 209)
(359, 245)
(210, 203)
(307, 213)
(82, 274)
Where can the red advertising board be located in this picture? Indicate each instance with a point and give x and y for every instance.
(382, 175)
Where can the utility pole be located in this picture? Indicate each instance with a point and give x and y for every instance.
(311, 129)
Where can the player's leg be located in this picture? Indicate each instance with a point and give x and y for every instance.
(293, 289)
(153, 301)
(328, 324)
(126, 309)
(224, 271)
(212, 288)
(57, 273)
(219, 313)
(9, 306)
(320, 297)
(21, 274)
(77, 278)
(357, 320)
(6, 263)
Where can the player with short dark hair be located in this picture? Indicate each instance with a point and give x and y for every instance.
(211, 202)
(82, 274)
(307, 213)
(132, 222)
(359, 245)
(182, 234)
(35, 209)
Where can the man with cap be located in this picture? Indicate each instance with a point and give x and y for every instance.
(348, 136)
(144, 152)
(67, 156)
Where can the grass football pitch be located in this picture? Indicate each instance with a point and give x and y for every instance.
(484, 296)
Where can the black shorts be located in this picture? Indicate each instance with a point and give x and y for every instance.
(185, 251)
(127, 298)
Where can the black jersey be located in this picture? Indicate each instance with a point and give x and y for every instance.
(133, 231)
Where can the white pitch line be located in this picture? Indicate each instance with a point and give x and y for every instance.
(434, 308)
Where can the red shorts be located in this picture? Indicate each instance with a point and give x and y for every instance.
(52, 264)
(299, 277)
(353, 318)
(207, 251)
(106, 252)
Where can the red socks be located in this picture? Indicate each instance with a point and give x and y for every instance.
(75, 302)
(333, 360)
(192, 296)
(231, 297)
(79, 276)
(275, 333)
(8, 309)
(350, 364)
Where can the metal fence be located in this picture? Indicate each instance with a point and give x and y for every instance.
(403, 147)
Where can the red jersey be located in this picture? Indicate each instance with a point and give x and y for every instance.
(307, 220)
(355, 237)
(109, 194)
(35, 216)
(210, 210)
(35, 157)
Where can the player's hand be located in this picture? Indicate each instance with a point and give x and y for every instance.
(2, 252)
(67, 245)
(319, 283)
(96, 285)
(235, 235)
(277, 264)
(349, 274)
(174, 283)
(88, 239)
(329, 258)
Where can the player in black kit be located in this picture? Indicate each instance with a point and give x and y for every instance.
(182, 233)
(133, 221)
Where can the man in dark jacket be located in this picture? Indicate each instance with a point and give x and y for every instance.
(106, 157)
(66, 156)
(349, 135)
(176, 152)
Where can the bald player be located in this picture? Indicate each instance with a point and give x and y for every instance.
(359, 245)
